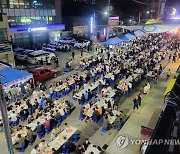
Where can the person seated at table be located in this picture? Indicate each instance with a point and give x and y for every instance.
(100, 110)
(106, 123)
(35, 149)
(58, 115)
(13, 116)
(146, 89)
(82, 98)
(112, 103)
(36, 104)
(61, 111)
(82, 112)
(100, 86)
(80, 150)
(86, 95)
(126, 89)
(109, 89)
(42, 145)
(42, 86)
(41, 102)
(18, 102)
(130, 86)
(39, 113)
(23, 113)
(117, 122)
(47, 124)
(30, 134)
(30, 107)
(39, 127)
(95, 114)
(53, 121)
(51, 90)
(20, 142)
(86, 144)
(54, 151)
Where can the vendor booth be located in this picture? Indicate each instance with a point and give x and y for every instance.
(127, 37)
(113, 41)
(10, 76)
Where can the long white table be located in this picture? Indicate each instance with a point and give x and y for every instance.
(59, 140)
(92, 149)
(107, 98)
(91, 87)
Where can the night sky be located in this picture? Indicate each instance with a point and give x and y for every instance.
(122, 8)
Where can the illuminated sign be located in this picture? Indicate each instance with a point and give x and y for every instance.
(91, 24)
(113, 21)
(174, 11)
(33, 29)
(104, 31)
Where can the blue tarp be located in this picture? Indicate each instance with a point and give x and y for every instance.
(113, 41)
(123, 37)
(9, 75)
(138, 33)
(127, 37)
(130, 36)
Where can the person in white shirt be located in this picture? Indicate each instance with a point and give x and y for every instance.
(35, 150)
(130, 86)
(13, 116)
(61, 111)
(42, 145)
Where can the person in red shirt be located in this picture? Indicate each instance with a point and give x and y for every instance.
(47, 123)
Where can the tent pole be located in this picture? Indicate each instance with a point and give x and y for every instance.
(5, 120)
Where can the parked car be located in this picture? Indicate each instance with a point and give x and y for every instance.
(17, 50)
(68, 40)
(82, 44)
(22, 56)
(5, 46)
(36, 57)
(42, 74)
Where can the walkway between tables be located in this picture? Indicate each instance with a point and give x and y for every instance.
(147, 115)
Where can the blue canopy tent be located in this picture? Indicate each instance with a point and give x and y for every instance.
(123, 37)
(10, 76)
(113, 41)
(127, 37)
(130, 36)
(138, 33)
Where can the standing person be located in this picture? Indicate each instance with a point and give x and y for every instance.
(47, 60)
(73, 54)
(108, 55)
(174, 59)
(135, 103)
(56, 61)
(170, 58)
(139, 99)
(168, 74)
(81, 52)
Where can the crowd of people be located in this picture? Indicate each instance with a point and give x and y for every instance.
(120, 71)
(98, 89)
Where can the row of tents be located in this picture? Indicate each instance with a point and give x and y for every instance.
(122, 38)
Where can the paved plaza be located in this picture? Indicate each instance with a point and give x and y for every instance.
(147, 115)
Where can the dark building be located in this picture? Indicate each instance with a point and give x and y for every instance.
(33, 21)
(24, 12)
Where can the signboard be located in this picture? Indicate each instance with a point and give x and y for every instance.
(27, 11)
(53, 12)
(36, 12)
(32, 12)
(113, 21)
(22, 11)
(17, 12)
(11, 12)
(6, 11)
